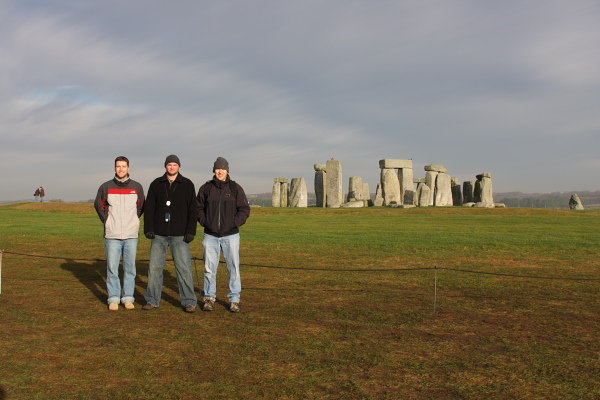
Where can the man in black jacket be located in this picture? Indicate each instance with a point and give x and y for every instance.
(222, 209)
(170, 216)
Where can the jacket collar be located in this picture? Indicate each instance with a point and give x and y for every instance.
(165, 178)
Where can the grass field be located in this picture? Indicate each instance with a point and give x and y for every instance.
(348, 313)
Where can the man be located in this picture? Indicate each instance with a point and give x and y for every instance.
(119, 204)
(42, 194)
(170, 217)
(222, 209)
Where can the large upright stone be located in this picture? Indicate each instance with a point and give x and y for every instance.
(366, 193)
(575, 202)
(391, 187)
(320, 182)
(468, 192)
(443, 190)
(430, 178)
(378, 196)
(457, 198)
(284, 193)
(334, 194)
(406, 178)
(298, 195)
(355, 188)
(422, 195)
(276, 193)
(484, 192)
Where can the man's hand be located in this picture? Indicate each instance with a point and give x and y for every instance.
(149, 235)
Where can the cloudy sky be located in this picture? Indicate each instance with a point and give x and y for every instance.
(509, 87)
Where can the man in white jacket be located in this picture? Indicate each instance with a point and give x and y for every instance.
(119, 204)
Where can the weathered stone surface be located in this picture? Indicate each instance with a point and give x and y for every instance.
(483, 190)
(436, 168)
(484, 175)
(468, 192)
(320, 183)
(281, 180)
(355, 188)
(394, 163)
(469, 204)
(378, 196)
(366, 193)
(334, 193)
(481, 204)
(405, 176)
(354, 204)
(457, 197)
(443, 190)
(419, 180)
(320, 167)
(298, 195)
(409, 198)
(276, 194)
(499, 205)
(390, 186)
(430, 177)
(575, 202)
(284, 193)
(423, 195)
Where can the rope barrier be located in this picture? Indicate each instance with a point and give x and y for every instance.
(436, 268)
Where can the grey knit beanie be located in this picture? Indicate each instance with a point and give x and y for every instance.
(221, 163)
(172, 158)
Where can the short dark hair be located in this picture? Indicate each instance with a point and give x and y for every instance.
(122, 158)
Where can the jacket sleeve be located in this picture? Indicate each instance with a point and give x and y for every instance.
(243, 207)
(149, 207)
(201, 200)
(192, 211)
(101, 204)
(140, 201)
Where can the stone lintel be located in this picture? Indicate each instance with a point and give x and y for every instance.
(395, 163)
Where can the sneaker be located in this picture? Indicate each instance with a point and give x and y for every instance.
(234, 307)
(208, 305)
(129, 305)
(190, 309)
(113, 306)
(148, 307)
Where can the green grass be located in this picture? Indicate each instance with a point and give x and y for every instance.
(330, 333)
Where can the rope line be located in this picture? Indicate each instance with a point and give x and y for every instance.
(340, 269)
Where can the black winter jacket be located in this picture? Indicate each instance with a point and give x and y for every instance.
(183, 209)
(222, 207)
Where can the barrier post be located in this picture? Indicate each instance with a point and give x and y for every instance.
(435, 289)
(1, 251)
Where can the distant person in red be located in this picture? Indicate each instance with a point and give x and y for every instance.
(41, 193)
(119, 204)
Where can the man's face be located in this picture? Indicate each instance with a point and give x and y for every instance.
(172, 168)
(221, 174)
(121, 169)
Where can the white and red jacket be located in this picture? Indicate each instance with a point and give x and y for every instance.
(119, 206)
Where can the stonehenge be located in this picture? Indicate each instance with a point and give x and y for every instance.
(575, 202)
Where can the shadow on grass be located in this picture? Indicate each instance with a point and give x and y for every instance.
(93, 277)
(2, 395)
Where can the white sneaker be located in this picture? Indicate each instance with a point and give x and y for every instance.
(113, 306)
(129, 305)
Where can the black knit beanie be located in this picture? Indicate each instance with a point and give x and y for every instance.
(172, 158)
(221, 163)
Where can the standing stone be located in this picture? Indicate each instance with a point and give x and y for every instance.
(423, 194)
(334, 193)
(406, 178)
(284, 193)
(483, 189)
(378, 196)
(298, 195)
(468, 192)
(320, 182)
(276, 194)
(575, 202)
(443, 190)
(366, 194)
(457, 198)
(409, 198)
(391, 187)
(430, 178)
(355, 188)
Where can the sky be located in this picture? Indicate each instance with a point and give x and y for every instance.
(507, 87)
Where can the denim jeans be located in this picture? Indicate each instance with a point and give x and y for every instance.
(183, 266)
(115, 248)
(230, 245)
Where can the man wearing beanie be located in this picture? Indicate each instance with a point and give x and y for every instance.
(222, 209)
(170, 216)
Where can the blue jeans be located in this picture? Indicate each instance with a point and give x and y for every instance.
(115, 248)
(230, 245)
(183, 266)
